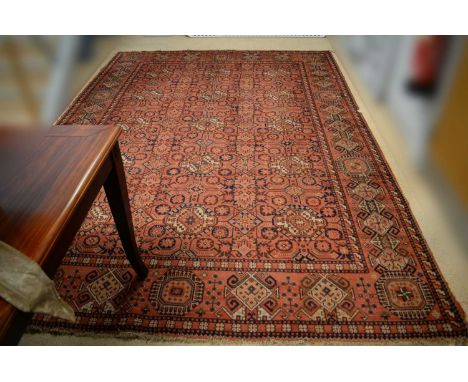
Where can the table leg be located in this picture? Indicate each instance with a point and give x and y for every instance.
(117, 195)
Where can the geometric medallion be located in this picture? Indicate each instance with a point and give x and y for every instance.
(299, 222)
(105, 287)
(294, 191)
(177, 292)
(355, 166)
(104, 290)
(327, 294)
(284, 124)
(200, 164)
(391, 260)
(251, 295)
(291, 165)
(347, 144)
(245, 221)
(209, 124)
(365, 191)
(407, 296)
(251, 292)
(190, 220)
(328, 297)
(378, 223)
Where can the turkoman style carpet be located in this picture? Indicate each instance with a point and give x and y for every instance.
(262, 205)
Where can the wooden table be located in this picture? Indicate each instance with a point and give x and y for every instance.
(48, 181)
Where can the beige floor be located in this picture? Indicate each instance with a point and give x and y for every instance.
(427, 203)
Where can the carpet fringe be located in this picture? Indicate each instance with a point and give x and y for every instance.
(174, 339)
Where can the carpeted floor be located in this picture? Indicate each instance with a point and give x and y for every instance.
(262, 206)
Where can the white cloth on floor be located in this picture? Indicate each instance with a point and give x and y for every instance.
(24, 284)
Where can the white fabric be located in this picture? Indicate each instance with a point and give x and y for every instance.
(25, 285)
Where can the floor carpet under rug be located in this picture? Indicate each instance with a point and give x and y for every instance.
(262, 205)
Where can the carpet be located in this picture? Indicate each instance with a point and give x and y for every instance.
(262, 205)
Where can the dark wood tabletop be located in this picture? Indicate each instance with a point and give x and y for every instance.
(48, 180)
(43, 175)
